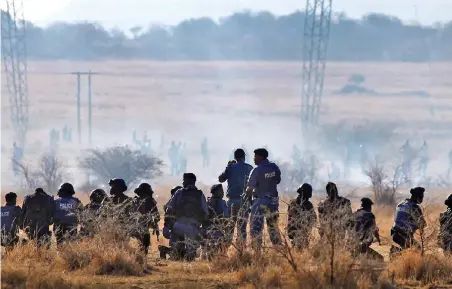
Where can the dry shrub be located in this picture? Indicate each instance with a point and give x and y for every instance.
(233, 262)
(427, 269)
(35, 278)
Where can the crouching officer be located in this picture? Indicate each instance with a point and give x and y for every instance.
(168, 222)
(365, 229)
(119, 206)
(38, 211)
(11, 220)
(301, 218)
(189, 208)
(262, 184)
(92, 213)
(408, 219)
(217, 226)
(147, 215)
(445, 221)
(67, 211)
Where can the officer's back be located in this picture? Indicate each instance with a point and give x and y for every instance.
(364, 221)
(265, 179)
(67, 207)
(236, 173)
(217, 206)
(38, 209)
(11, 215)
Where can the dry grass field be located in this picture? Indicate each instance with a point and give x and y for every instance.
(231, 103)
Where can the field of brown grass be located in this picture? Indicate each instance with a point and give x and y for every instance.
(231, 103)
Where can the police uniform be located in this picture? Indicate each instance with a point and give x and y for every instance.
(335, 209)
(301, 218)
(445, 221)
(408, 219)
(148, 216)
(92, 212)
(236, 174)
(38, 211)
(67, 210)
(11, 221)
(188, 206)
(264, 180)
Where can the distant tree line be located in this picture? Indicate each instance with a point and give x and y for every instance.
(243, 36)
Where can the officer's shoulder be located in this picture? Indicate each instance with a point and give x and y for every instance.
(308, 205)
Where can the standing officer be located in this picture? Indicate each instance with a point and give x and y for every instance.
(236, 174)
(262, 184)
(11, 219)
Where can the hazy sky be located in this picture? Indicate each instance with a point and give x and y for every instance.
(127, 13)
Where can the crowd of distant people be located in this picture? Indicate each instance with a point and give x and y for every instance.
(191, 221)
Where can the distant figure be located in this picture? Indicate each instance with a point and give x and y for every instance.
(335, 173)
(18, 154)
(173, 155)
(134, 137)
(205, 153)
(408, 154)
(423, 159)
(183, 159)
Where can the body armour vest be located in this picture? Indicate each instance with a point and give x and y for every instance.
(189, 205)
(66, 210)
(38, 209)
(405, 215)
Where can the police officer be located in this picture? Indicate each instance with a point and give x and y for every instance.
(217, 226)
(92, 212)
(408, 219)
(262, 184)
(236, 174)
(119, 204)
(301, 217)
(166, 231)
(188, 206)
(11, 221)
(148, 216)
(38, 212)
(67, 211)
(365, 229)
(445, 221)
(334, 210)
(423, 159)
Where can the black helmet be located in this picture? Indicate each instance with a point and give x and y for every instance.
(66, 189)
(143, 188)
(417, 191)
(118, 182)
(217, 191)
(305, 190)
(97, 196)
(175, 189)
(448, 201)
(366, 202)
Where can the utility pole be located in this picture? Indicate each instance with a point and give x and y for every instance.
(79, 74)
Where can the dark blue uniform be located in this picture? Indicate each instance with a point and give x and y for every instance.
(237, 175)
(445, 221)
(408, 219)
(264, 180)
(11, 218)
(67, 210)
(189, 208)
(38, 212)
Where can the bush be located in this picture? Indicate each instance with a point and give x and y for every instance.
(121, 162)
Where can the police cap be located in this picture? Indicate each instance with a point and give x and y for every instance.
(239, 153)
(366, 202)
(261, 152)
(11, 196)
(189, 177)
(118, 182)
(216, 189)
(417, 191)
(448, 201)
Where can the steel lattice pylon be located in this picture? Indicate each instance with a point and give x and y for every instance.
(14, 54)
(315, 44)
